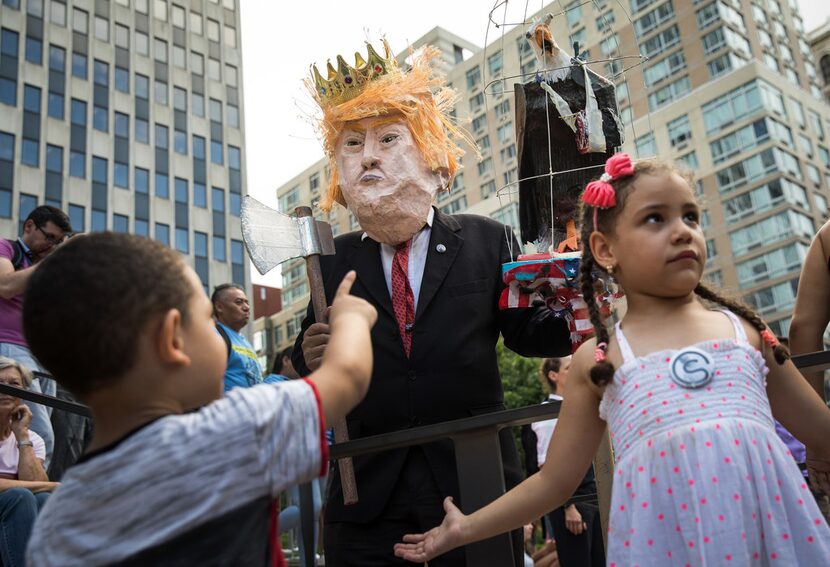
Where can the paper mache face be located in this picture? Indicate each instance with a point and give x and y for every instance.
(384, 178)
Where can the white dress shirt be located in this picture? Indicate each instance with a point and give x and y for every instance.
(417, 258)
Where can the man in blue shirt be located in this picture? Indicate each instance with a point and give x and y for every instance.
(231, 311)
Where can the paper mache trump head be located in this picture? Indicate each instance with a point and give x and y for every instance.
(390, 140)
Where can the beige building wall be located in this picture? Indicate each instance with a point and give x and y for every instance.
(696, 54)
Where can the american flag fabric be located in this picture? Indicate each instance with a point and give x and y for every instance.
(540, 278)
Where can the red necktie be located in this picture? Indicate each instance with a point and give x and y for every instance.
(403, 300)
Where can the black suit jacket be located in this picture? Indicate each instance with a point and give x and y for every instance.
(452, 370)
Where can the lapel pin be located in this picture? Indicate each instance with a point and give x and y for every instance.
(440, 248)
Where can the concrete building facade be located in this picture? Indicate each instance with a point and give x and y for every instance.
(127, 115)
(728, 88)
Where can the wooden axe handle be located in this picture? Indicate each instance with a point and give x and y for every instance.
(341, 433)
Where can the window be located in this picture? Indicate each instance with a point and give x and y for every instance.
(80, 21)
(31, 99)
(142, 86)
(142, 181)
(231, 76)
(34, 50)
(182, 240)
(122, 36)
(485, 167)
(55, 105)
(181, 190)
(102, 29)
(219, 249)
(120, 223)
(680, 131)
(230, 36)
(77, 215)
(198, 147)
(162, 233)
(161, 92)
(179, 16)
(160, 10)
(196, 23)
(650, 21)
(57, 13)
(122, 125)
(198, 103)
(213, 30)
(646, 145)
(100, 119)
(214, 69)
(122, 79)
(101, 73)
(121, 175)
(669, 93)
(755, 167)
(142, 43)
(179, 57)
(740, 103)
(160, 50)
(778, 227)
(778, 297)
(771, 265)
(505, 132)
(508, 153)
(199, 195)
(664, 68)
(162, 186)
(495, 64)
(54, 158)
(476, 102)
(79, 65)
(661, 41)
(216, 153)
(289, 200)
(142, 131)
(77, 163)
(233, 115)
(474, 78)
(30, 152)
(218, 199)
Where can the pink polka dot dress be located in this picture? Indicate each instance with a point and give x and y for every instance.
(701, 478)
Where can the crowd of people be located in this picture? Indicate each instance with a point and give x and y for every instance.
(193, 442)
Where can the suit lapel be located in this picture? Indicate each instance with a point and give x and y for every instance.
(366, 262)
(445, 230)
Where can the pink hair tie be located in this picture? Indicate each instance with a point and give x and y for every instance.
(599, 352)
(601, 193)
(769, 339)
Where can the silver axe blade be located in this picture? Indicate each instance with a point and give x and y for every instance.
(272, 237)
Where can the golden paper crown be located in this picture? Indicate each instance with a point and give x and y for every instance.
(347, 82)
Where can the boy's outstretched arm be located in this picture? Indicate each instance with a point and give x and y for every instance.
(574, 443)
(343, 378)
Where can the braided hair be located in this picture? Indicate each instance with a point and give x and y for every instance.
(603, 371)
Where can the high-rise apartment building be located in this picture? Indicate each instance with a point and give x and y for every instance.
(726, 87)
(127, 114)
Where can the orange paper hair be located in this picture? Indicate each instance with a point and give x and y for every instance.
(419, 96)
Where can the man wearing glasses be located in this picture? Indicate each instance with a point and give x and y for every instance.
(45, 228)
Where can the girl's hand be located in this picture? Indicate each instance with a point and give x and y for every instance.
(573, 520)
(21, 417)
(419, 548)
(818, 470)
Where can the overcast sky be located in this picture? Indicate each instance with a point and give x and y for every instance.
(280, 40)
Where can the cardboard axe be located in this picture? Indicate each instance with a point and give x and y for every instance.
(271, 238)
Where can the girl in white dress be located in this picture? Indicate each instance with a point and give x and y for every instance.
(688, 393)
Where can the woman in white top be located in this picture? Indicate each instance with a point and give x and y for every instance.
(24, 485)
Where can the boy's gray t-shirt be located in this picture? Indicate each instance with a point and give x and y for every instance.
(187, 488)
